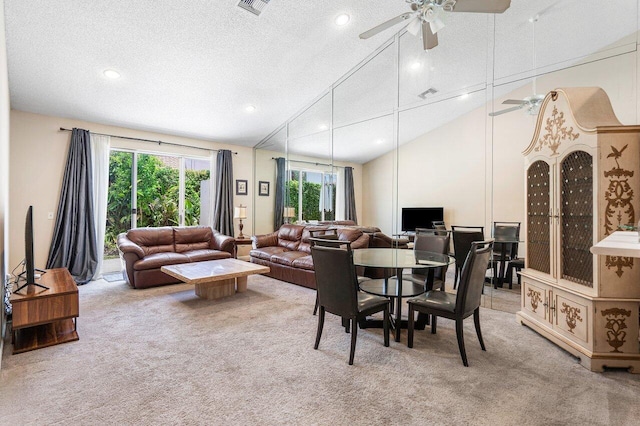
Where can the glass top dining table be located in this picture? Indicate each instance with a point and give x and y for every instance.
(398, 259)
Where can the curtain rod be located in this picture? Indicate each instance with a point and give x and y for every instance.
(149, 140)
(311, 162)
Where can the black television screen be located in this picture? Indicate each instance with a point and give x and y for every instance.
(29, 272)
(29, 266)
(420, 217)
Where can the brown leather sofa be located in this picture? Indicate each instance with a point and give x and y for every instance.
(287, 252)
(145, 250)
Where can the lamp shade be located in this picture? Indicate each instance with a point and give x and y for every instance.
(289, 212)
(240, 212)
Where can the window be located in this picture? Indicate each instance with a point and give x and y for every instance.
(312, 193)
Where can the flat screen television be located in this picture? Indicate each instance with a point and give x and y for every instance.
(29, 262)
(420, 217)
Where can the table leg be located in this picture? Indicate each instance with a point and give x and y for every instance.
(398, 320)
(503, 254)
(241, 283)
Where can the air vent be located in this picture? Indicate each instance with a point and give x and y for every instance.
(254, 6)
(429, 91)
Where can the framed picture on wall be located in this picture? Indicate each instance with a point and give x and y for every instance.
(263, 188)
(241, 187)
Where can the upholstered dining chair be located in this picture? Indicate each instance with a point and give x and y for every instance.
(429, 241)
(463, 236)
(463, 304)
(327, 238)
(505, 231)
(339, 294)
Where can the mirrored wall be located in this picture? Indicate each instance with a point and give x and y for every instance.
(415, 126)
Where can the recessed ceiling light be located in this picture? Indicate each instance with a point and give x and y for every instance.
(250, 108)
(380, 141)
(415, 65)
(464, 96)
(342, 19)
(323, 127)
(112, 74)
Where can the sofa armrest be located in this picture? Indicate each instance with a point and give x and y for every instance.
(126, 246)
(361, 242)
(266, 240)
(223, 242)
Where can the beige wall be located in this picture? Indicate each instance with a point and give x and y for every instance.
(4, 169)
(38, 156)
(479, 179)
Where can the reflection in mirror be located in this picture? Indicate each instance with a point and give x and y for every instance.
(265, 171)
(440, 69)
(368, 92)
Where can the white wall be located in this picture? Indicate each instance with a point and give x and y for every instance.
(4, 170)
(38, 157)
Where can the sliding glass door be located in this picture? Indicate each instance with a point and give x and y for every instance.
(166, 190)
(312, 194)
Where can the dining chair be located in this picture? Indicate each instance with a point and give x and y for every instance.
(339, 294)
(509, 231)
(439, 225)
(463, 236)
(463, 304)
(327, 238)
(429, 241)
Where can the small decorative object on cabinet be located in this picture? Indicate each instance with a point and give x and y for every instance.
(582, 181)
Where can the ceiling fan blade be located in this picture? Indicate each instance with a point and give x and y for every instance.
(482, 6)
(515, 102)
(429, 39)
(388, 24)
(504, 111)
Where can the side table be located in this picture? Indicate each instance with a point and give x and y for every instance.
(243, 247)
(47, 317)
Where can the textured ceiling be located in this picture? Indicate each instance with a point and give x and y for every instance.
(190, 68)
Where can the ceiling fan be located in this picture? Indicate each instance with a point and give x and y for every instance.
(531, 103)
(426, 16)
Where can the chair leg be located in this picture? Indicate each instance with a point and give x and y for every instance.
(455, 278)
(320, 325)
(385, 325)
(460, 335)
(410, 326)
(354, 337)
(315, 308)
(346, 324)
(476, 321)
(433, 324)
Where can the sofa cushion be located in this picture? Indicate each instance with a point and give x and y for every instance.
(157, 260)
(287, 258)
(266, 252)
(206, 254)
(191, 238)
(153, 240)
(304, 262)
(289, 236)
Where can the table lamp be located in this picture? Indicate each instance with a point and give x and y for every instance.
(240, 213)
(289, 212)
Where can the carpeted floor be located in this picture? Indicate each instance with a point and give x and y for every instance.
(164, 356)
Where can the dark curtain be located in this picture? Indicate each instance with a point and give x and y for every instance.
(74, 243)
(223, 209)
(278, 218)
(349, 196)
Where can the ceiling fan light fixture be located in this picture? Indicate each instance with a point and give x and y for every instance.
(342, 19)
(414, 26)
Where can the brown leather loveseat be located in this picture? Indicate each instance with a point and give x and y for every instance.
(287, 252)
(145, 250)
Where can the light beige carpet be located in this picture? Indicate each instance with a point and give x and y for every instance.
(164, 356)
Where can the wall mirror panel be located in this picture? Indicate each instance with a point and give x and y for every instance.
(443, 149)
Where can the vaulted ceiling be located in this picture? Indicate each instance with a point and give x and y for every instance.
(191, 68)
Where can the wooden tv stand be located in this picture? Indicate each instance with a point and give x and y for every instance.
(44, 318)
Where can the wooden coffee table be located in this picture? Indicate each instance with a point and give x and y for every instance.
(214, 279)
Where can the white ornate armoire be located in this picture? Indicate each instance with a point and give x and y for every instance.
(582, 180)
